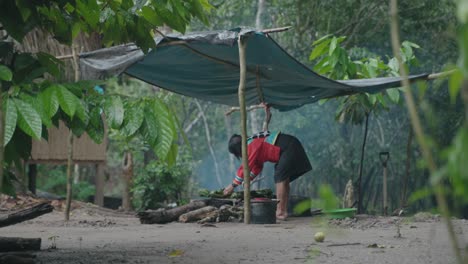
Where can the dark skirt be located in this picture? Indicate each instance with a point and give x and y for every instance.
(293, 161)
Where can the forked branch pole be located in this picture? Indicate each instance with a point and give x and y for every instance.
(243, 70)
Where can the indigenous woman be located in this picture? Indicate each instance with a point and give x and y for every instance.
(284, 150)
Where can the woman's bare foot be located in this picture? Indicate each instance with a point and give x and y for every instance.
(281, 216)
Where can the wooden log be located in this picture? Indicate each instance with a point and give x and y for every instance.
(17, 259)
(196, 215)
(162, 216)
(19, 244)
(26, 214)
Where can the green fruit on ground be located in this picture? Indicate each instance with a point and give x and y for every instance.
(319, 237)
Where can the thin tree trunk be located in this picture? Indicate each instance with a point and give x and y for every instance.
(70, 142)
(258, 17)
(418, 130)
(359, 187)
(127, 180)
(243, 113)
(99, 184)
(210, 145)
(408, 167)
(69, 176)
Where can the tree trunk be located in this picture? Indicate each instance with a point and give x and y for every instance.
(359, 186)
(196, 215)
(127, 180)
(210, 145)
(69, 176)
(163, 216)
(32, 177)
(99, 184)
(243, 113)
(26, 214)
(19, 244)
(408, 167)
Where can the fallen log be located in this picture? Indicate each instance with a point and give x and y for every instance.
(163, 216)
(26, 214)
(17, 258)
(19, 244)
(196, 215)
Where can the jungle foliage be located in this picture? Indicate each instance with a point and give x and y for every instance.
(34, 97)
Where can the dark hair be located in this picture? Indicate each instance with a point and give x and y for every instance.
(235, 145)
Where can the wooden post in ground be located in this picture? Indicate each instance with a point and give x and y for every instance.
(32, 175)
(99, 184)
(243, 113)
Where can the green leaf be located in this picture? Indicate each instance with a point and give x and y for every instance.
(333, 45)
(150, 15)
(49, 100)
(454, 85)
(11, 116)
(133, 119)
(5, 73)
(157, 117)
(51, 63)
(394, 95)
(319, 50)
(114, 109)
(37, 104)
(95, 127)
(28, 119)
(67, 100)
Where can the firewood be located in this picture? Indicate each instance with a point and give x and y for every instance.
(26, 214)
(197, 214)
(163, 216)
(19, 244)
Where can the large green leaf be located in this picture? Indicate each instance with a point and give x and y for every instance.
(28, 119)
(11, 117)
(5, 73)
(95, 127)
(114, 110)
(133, 119)
(49, 100)
(394, 95)
(38, 105)
(67, 100)
(165, 128)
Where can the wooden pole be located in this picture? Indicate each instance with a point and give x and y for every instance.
(243, 112)
(384, 185)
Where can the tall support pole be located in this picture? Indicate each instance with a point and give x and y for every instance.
(243, 114)
(384, 156)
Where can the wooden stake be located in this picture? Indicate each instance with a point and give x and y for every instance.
(245, 162)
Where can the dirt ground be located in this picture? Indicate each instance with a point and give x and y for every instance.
(104, 236)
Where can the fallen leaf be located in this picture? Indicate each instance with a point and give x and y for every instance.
(176, 253)
(376, 246)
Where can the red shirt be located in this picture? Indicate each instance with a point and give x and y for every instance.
(259, 152)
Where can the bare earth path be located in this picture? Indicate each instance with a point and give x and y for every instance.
(92, 237)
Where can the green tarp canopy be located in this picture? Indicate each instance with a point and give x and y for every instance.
(205, 65)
